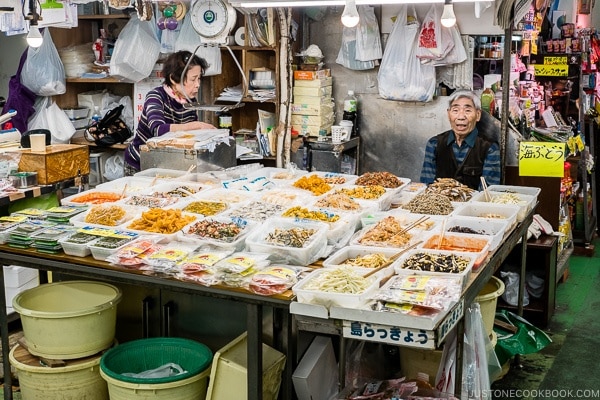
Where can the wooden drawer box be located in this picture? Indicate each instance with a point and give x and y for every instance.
(60, 162)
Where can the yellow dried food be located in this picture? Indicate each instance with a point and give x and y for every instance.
(161, 221)
(105, 215)
(305, 213)
(314, 183)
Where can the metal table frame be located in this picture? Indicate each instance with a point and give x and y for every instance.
(87, 267)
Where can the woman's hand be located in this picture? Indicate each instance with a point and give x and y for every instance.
(190, 126)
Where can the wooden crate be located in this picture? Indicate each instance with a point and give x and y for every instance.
(58, 163)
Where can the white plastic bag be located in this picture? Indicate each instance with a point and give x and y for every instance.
(59, 124)
(136, 50)
(347, 54)
(401, 75)
(113, 167)
(368, 38)
(511, 283)
(434, 42)
(43, 71)
(164, 371)
(458, 53)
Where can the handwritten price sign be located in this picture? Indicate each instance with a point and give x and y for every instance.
(541, 159)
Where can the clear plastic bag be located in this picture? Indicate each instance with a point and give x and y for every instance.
(43, 71)
(347, 54)
(136, 50)
(434, 41)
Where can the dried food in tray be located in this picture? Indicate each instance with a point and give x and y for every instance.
(162, 221)
(430, 204)
(285, 197)
(382, 178)
(92, 196)
(152, 200)
(435, 262)
(387, 232)
(360, 257)
(107, 245)
(373, 196)
(205, 207)
(221, 232)
(278, 175)
(495, 228)
(256, 211)
(299, 242)
(312, 183)
(452, 189)
(528, 190)
(176, 189)
(339, 201)
(251, 185)
(460, 242)
(160, 174)
(338, 286)
(336, 178)
(523, 201)
(105, 215)
(505, 212)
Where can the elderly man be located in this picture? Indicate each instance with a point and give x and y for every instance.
(462, 153)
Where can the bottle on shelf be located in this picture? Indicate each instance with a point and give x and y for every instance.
(226, 121)
(487, 100)
(96, 116)
(351, 112)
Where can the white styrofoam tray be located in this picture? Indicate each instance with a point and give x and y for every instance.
(340, 256)
(506, 212)
(399, 265)
(525, 202)
(130, 213)
(236, 243)
(478, 245)
(128, 185)
(305, 294)
(314, 248)
(340, 231)
(70, 200)
(528, 190)
(494, 227)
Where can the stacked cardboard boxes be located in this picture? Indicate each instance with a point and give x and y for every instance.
(313, 106)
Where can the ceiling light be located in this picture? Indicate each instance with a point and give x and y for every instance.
(350, 16)
(34, 37)
(448, 18)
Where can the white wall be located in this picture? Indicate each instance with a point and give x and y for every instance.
(11, 48)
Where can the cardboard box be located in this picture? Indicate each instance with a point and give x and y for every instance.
(312, 109)
(316, 376)
(58, 163)
(312, 99)
(312, 91)
(324, 119)
(312, 75)
(314, 83)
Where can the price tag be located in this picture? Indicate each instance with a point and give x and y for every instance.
(399, 336)
(541, 159)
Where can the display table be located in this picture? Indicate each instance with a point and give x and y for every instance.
(88, 267)
(355, 324)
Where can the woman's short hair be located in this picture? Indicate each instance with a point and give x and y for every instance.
(175, 63)
(467, 94)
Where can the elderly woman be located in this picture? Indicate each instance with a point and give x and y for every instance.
(164, 109)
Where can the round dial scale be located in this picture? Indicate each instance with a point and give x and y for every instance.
(213, 20)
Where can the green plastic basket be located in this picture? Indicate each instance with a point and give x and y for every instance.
(146, 354)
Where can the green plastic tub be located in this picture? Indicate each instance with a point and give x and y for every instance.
(68, 320)
(146, 354)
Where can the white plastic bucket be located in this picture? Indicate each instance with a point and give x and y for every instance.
(78, 379)
(68, 320)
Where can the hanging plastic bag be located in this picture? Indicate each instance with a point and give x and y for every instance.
(136, 50)
(43, 71)
(113, 167)
(347, 54)
(476, 380)
(368, 39)
(458, 53)
(39, 120)
(401, 75)
(189, 40)
(432, 44)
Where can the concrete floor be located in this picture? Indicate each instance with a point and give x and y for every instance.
(568, 367)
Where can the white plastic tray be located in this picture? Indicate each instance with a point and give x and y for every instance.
(161, 174)
(496, 228)
(336, 259)
(340, 231)
(236, 243)
(525, 202)
(130, 212)
(131, 184)
(461, 243)
(333, 299)
(313, 249)
(528, 190)
(70, 199)
(488, 210)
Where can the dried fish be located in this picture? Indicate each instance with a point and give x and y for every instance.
(430, 204)
(293, 237)
(451, 188)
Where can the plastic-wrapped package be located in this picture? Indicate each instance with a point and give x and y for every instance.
(133, 254)
(166, 258)
(201, 260)
(274, 279)
(430, 291)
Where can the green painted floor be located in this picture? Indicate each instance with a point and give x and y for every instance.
(569, 367)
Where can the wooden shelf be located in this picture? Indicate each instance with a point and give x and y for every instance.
(109, 79)
(103, 16)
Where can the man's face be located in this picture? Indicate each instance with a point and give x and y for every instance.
(463, 116)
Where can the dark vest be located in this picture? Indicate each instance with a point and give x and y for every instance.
(471, 169)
